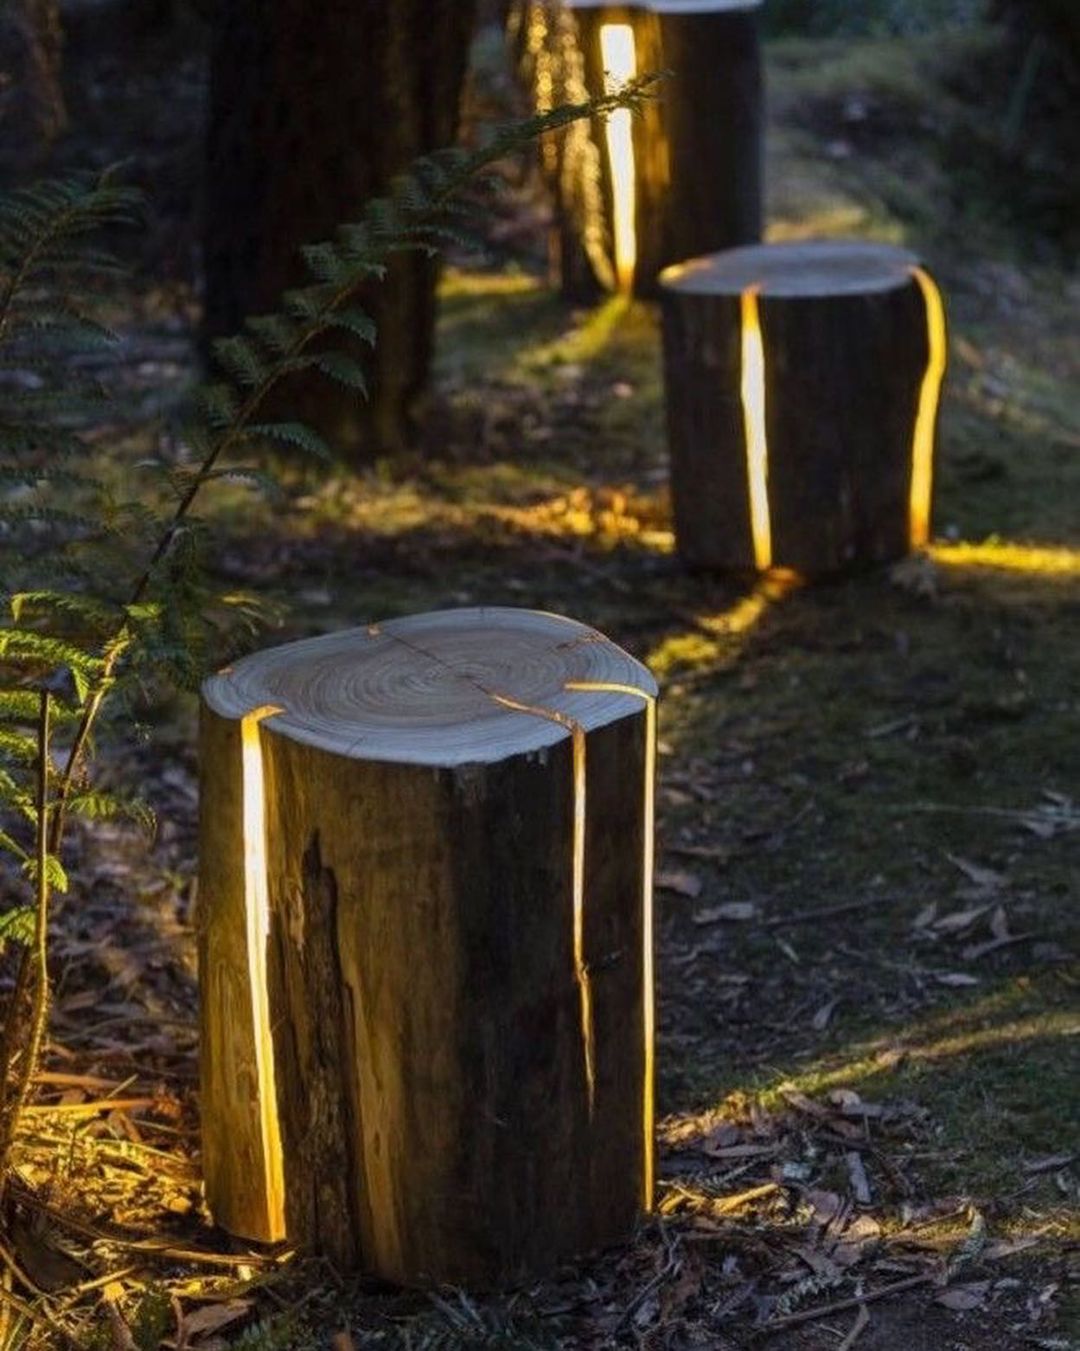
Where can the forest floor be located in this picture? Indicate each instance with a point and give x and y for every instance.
(869, 828)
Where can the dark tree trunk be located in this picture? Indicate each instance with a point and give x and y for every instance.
(314, 110)
(31, 49)
(840, 397)
(714, 114)
(697, 147)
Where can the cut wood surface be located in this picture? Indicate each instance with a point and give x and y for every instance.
(448, 1077)
(802, 387)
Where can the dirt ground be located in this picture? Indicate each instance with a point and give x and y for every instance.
(869, 823)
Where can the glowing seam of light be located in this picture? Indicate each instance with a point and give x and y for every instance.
(752, 391)
(257, 923)
(619, 56)
(648, 972)
(922, 453)
(581, 969)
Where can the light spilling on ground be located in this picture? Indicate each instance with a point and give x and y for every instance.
(257, 915)
(752, 391)
(922, 453)
(930, 1044)
(1006, 556)
(716, 636)
(619, 56)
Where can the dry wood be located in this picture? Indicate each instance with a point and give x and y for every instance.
(847, 350)
(455, 949)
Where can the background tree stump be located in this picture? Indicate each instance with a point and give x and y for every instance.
(802, 394)
(426, 945)
(695, 171)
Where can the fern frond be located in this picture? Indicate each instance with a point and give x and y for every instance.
(16, 926)
(100, 806)
(293, 434)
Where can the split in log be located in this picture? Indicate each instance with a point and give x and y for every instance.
(803, 383)
(426, 945)
(683, 178)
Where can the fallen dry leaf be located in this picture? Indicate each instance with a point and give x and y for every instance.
(213, 1317)
(682, 883)
(860, 1183)
(820, 1021)
(958, 920)
(1006, 1247)
(961, 1298)
(986, 878)
(1048, 1163)
(732, 910)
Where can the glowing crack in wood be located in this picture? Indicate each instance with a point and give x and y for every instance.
(619, 56)
(257, 920)
(581, 969)
(752, 391)
(648, 971)
(922, 454)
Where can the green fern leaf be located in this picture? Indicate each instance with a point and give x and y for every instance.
(293, 434)
(237, 356)
(17, 926)
(343, 370)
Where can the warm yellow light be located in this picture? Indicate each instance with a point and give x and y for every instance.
(752, 390)
(648, 972)
(581, 969)
(922, 455)
(1029, 558)
(577, 886)
(618, 53)
(257, 919)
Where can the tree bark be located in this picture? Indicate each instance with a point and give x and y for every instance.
(697, 147)
(314, 110)
(852, 348)
(31, 51)
(714, 117)
(457, 945)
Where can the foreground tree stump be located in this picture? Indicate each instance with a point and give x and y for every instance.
(426, 945)
(686, 176)
(803, 383)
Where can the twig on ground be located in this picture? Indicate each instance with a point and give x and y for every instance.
(862, 1319)
(826, 912)
(842, 1305)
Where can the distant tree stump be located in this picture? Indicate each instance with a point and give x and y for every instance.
(426, 945)
(803, 383)
(692, 163)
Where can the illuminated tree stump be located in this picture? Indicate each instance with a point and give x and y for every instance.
(803, 383)
(686, 176)
(426, 945)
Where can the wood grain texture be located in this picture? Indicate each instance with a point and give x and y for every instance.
(437, 1119)
(845, 340)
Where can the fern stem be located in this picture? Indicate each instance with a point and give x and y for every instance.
(40, 1011)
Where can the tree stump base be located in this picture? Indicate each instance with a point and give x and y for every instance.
(803, 383)
(425, 945)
